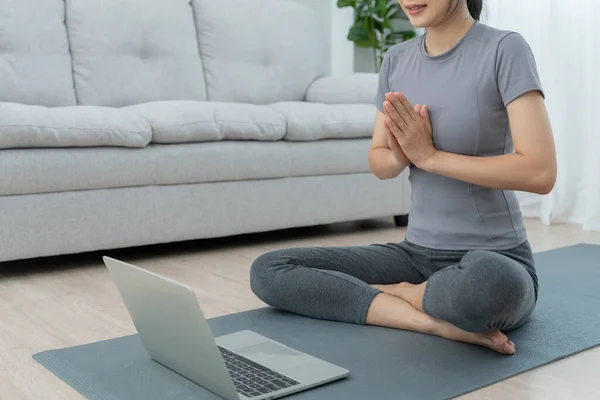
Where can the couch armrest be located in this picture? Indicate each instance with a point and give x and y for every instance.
(344, 89)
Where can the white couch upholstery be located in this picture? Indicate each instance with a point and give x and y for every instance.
(134, 51)
(334, 90)
(195, 121)
(314, 121)
(24, 126)
(257, 52)
(127, 122)
(35, 62)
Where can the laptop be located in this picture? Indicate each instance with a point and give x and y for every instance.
(241, 365)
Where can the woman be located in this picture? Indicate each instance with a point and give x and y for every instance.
(478, 130)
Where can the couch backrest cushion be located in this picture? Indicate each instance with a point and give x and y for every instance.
(134, 51)
(258, 51)
(35, 65)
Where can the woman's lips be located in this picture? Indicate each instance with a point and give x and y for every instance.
(414, 10)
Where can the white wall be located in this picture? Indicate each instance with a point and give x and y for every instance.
(341, 56)
(363, 58)
(333, 29)
(563, 38)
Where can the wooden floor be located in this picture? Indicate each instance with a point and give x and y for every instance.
(65, 301)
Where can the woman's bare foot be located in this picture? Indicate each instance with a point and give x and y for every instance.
(391, 311)
(494, 340)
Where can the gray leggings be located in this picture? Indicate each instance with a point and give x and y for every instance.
(478, 291)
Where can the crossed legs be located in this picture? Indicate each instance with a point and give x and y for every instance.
(471, 301)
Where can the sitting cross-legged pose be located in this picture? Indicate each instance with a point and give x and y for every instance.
(463, 108)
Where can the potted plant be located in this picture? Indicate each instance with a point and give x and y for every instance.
(374, 26)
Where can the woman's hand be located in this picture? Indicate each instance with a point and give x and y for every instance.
(384, 162)
(398, 156)
(410, 129)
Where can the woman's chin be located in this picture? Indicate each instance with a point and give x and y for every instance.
(420, 21)
(423, 25)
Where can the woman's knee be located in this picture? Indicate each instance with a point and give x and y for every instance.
(501, 291)
(263, 274)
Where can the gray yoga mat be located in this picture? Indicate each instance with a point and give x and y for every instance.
(384, 363)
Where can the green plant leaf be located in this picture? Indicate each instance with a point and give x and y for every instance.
(358, 33)
(366, 5)
(373, 26)
(364, 44)
(362, 11)
(378, 18)
(391, 12)
(346, 3)
(406, 35)
(381, 7)
(379, 25)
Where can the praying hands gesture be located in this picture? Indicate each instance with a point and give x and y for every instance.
(409, 129)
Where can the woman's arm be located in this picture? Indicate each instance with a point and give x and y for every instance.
(532, 167)
(386, 158)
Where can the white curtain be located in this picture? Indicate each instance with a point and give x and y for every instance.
(566, 43)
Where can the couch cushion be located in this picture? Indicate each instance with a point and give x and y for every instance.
(196, 121)
(314, 121)
(35, 65)
(344, 89)
(24, 126)
(134, 51)
(56, 170)
(258, 52)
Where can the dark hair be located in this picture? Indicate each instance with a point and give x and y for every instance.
(475, 7)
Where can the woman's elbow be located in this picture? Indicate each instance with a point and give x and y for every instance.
(374, 168)
(379, 174)
(545, 181)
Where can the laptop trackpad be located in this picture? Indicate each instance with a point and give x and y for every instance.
(269, 349)
(275, 356)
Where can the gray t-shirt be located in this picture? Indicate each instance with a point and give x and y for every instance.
(466, 90)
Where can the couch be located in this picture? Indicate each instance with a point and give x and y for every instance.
(136, 122)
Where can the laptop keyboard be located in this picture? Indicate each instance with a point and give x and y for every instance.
(252, 379)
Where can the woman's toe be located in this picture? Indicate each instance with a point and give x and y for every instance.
(508, 348)
(501, 342)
